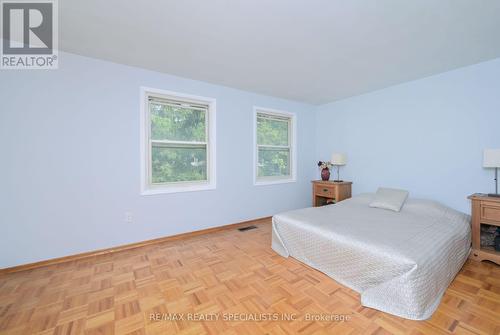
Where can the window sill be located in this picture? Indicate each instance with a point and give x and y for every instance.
(178, 189)
(274, 181)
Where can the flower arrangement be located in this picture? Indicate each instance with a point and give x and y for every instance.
(324, 165)
(325, 170)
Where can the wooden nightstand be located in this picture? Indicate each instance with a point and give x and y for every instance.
(325, 192)
(485, 210)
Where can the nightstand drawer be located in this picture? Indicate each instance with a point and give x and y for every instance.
(324, 190)
(490, 211)
(330, 192)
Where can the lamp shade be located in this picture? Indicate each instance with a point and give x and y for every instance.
(491, 158)
(338, 159)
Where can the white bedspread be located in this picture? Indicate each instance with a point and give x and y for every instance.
(400, 263)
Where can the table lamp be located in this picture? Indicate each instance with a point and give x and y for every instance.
(491, 159)
(338, 160)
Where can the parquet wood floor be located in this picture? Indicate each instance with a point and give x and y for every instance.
(228, 273)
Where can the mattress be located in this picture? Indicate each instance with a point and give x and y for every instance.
(400, 262)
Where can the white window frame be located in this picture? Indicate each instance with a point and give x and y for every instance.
(292, 140)
(148, 188)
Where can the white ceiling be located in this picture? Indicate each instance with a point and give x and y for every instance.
(314, 51)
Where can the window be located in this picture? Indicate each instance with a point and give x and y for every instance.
(178, 147)
(274, 146)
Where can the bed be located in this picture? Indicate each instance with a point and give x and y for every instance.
(400, 262)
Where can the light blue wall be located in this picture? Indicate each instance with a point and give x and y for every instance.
(69, 142)
(425, 136)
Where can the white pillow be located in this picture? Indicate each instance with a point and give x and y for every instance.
(389, 198)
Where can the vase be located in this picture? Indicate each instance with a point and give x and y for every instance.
(325, 174)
